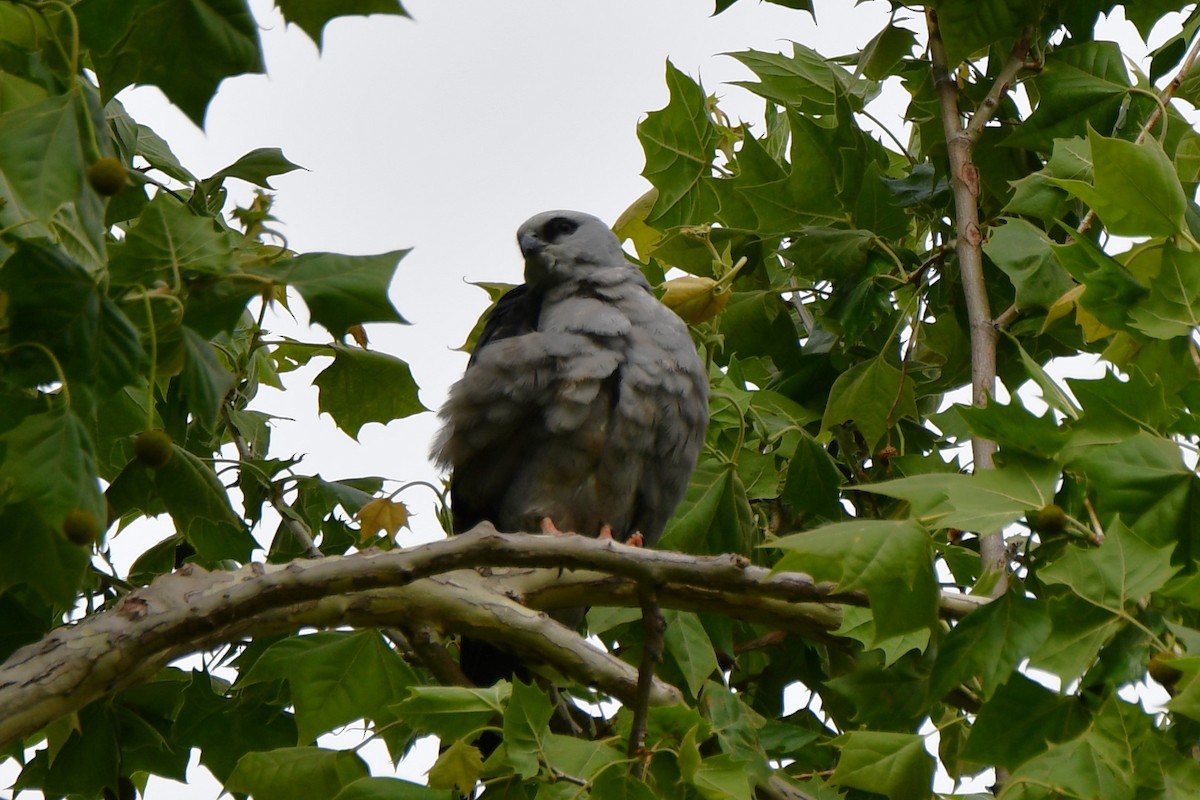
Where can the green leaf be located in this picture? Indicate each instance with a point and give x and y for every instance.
(41, 156)
(805, 80)
(457, 768)
(1015, 429)
(1024, 253)
(225, 728)
(679, 141)
(168, 243)
(874, 395)
(390, 789)
(1186, 699)
(35, 553)
(312, 16)
(452, 712)
(1173, 306)
(1145, 481)
(1121, 571)
(256, 167)
(335, 677)
(892, 764)
(1081, 86)
(290, 772)
(983, 502)
(578, 757)
(47, 461)
(687, 644)
(721, 777)
(184, 47)
(1079, 630)
(889, 560)
(197, 501)
(990, 643)
(813, 480)
(1098, 763)
(715, 516)
(1136, 191)
(54, 303)
(1019, 721)
(350, 389)
(1111, 290)
(340, 290)
(526, 722)
(880, 57)
(206, 383)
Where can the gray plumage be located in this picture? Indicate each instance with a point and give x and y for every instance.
(584, 402)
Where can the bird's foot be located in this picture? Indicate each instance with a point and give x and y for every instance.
(636, 539)
(550, 529)
(605, 532)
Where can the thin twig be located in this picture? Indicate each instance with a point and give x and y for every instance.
(287, 514)
(965, 187)
(1164, 96)
(1017, 61)
(653, 625)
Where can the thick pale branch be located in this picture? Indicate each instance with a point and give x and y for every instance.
(430, 585)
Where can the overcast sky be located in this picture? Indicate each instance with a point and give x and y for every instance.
(443, 133)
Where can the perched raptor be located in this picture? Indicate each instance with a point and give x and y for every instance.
(583, 407)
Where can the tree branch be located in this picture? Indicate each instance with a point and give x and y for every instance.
(431, 585)
(652, 650)
(965, 185)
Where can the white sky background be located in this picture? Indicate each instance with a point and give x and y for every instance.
(443, 133)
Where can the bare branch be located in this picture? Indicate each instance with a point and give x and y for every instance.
(1017, 61)
(652, 650)
(965, 185)
(430, 586)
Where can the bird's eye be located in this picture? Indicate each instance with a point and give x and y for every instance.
(560, 226)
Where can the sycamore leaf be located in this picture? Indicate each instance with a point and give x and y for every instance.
(687, 644)
(1173, 306)
(890, 560)
(183, 47)
(312, 16)
(679, 141)
(892, 764)
(290, 772)
(526, 722)
(1018, 721)
(362, 386)
(1136, 190)
(1025, 255)
(874, 395)
(1121, 571)
(341, 290)
(452, 712)
(381, 514)
(256, 167)
(990, 643)
(335, 677)
(390, 789)
(457, 768)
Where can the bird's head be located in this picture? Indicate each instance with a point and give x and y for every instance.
(559, 245)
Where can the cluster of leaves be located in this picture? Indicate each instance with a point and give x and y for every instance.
(825, 281)
(129, 357)
(839, 408)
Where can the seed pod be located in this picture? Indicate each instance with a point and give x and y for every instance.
(107, 176)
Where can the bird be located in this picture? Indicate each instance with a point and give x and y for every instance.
(582, 409)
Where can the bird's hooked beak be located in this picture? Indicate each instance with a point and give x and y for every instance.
(530, 244)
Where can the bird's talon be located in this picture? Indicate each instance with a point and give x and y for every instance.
(550, 529)
(605, 532)
(635, 539)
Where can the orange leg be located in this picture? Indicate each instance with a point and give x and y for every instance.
(635, 539)
(605, 532)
